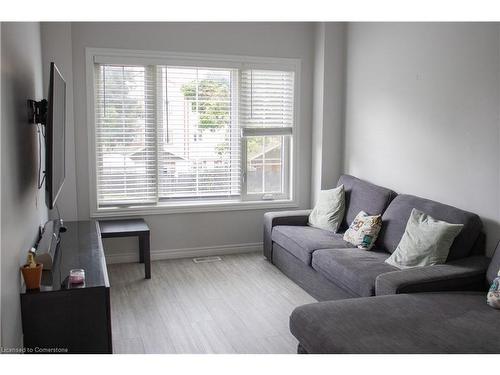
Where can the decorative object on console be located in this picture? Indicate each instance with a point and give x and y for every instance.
(329, 209)
(425, 242)
(364, 230)
(32, 272)
(77, 276)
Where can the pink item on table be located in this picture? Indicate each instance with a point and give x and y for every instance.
(76, 276)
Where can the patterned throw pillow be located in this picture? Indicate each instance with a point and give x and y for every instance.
(493, 298)
(364, 230)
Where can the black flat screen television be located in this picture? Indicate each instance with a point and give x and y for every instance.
(55, 163)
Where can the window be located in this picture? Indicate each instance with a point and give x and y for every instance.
(178, 132)
(198, 108)
(266, 117)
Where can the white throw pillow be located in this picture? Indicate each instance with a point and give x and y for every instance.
(363, 231)
(425, 242)
(329, 210)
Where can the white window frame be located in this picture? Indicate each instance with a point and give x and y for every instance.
(246, 202)
(285, 159)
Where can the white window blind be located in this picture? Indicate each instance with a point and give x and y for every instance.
(125, 134)
(266, 113)
(199, 116)
(167, 133)
(267, 98)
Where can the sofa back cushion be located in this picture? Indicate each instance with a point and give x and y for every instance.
(396, 217)
(363, 196)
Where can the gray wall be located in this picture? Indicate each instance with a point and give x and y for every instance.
(23, 205)
(190, 230)
(422, 112)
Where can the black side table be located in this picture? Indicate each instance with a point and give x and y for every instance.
(130, 228)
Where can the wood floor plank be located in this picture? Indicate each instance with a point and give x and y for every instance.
(128, 346)
(240, 304)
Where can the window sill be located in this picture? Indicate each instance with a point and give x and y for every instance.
(194, 207)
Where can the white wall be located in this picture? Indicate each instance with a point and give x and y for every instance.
(184, 231)
(328, 106)
(422, 112)
(23, 205)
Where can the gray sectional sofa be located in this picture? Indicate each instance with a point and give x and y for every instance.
(444, 322)
(329, 268)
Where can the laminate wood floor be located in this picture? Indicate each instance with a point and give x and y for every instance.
(238, 305)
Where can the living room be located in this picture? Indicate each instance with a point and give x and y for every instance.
(250, 187)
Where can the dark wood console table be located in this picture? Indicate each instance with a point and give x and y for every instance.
(66, 318)
(130, 228)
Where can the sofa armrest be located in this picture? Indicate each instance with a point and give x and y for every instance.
(461, 274)
(271, 219)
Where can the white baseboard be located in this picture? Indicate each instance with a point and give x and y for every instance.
(192, 252)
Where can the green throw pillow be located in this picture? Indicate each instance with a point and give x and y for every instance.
(329, 210)
(425, 242)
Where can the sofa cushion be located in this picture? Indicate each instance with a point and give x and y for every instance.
(459, 322)
(352, 269)
(302, 241)
(396, 217)
(364, 230)
(425, 242)
(328, 212)
(363, 196)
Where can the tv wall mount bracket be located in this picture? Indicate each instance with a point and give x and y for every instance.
(37, 111)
